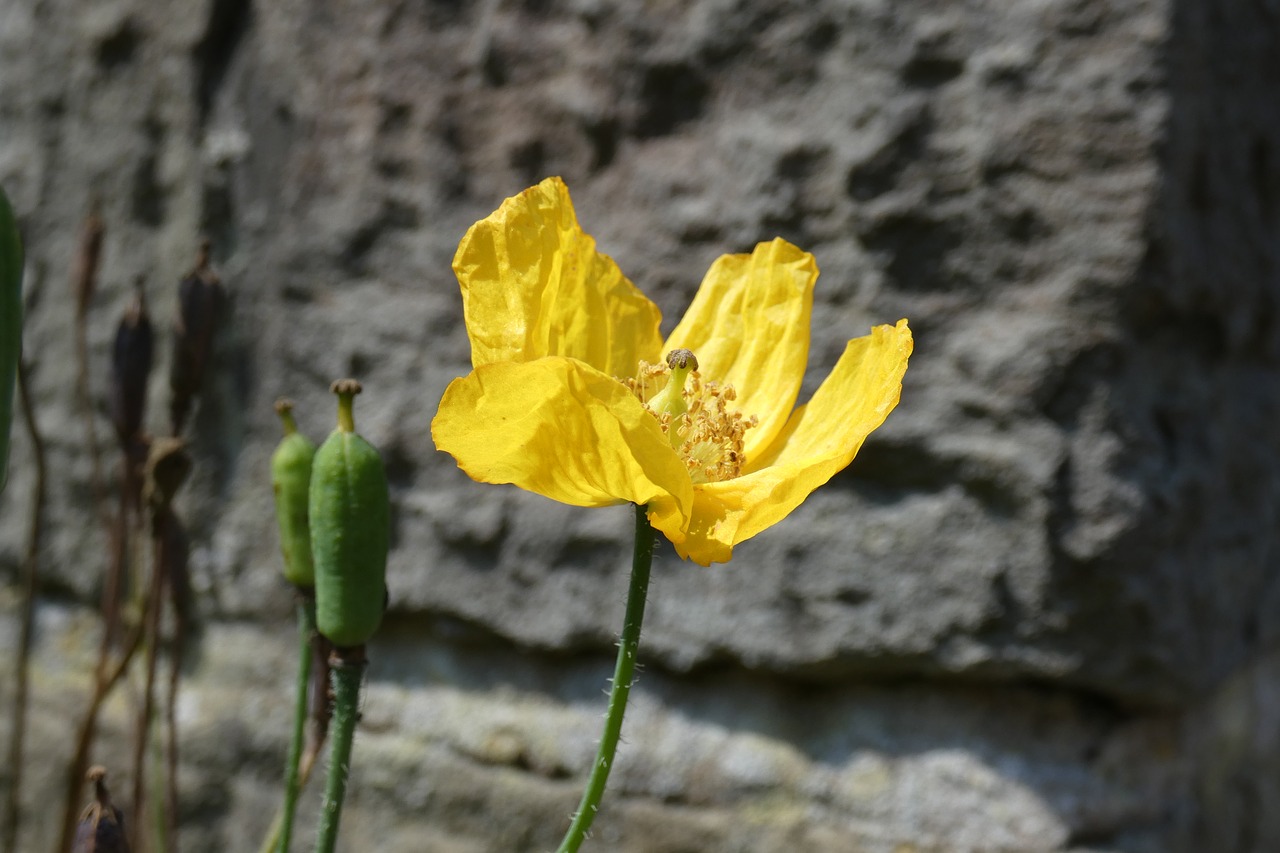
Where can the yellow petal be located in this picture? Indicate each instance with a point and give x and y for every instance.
(820, 439)
(559, 428)
(712, 525)
(749, 327)
(534, 285)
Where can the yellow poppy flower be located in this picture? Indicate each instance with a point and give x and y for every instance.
(569, 396)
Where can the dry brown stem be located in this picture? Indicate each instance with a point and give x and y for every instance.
(30, 565)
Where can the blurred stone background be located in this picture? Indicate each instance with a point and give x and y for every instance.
(1038, 613)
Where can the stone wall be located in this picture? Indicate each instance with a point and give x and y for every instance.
(1036, 614)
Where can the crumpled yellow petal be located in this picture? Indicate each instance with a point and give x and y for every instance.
(564, 430)
(820, 439)
(534, 285)
(749, 328)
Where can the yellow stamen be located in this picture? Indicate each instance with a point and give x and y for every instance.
(694, 415)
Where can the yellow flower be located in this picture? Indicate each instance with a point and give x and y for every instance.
(570, 398)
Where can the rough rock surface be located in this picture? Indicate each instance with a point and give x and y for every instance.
(1037, 612)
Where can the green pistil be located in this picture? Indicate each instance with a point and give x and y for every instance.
(284, 408)
(670, 400)
(346, 389)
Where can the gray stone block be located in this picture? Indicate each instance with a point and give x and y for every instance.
(1075, 202)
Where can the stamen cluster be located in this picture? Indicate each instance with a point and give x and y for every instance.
(708, 437)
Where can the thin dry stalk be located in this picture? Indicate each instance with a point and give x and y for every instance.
(142, 724)
(105, 681)
(321, 703)
(30, 564)
(131, 366)
(167, 469)
(174, 564)
(107, 674)
(84, 283)
(84, 277)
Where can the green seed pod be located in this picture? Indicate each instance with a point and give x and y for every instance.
(291, 481)
(10, 324)
(350, 526)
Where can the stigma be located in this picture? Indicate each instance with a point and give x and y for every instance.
(694, 415)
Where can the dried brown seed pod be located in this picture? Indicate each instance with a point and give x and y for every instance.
(131, 367)
(167, 468)
(101, 826)
(201, 297)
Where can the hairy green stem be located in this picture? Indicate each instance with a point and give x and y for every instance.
(306, 627)
(623, 675)
(348, 670)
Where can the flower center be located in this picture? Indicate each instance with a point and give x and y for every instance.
(694, 415)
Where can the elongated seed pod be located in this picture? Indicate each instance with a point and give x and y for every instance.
(350, 527)
(201, 301)
(291, 482)
(131, 368)
(10, 324)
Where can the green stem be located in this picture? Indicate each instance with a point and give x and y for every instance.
(348, 669)
(623, 674)
(306, 627)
